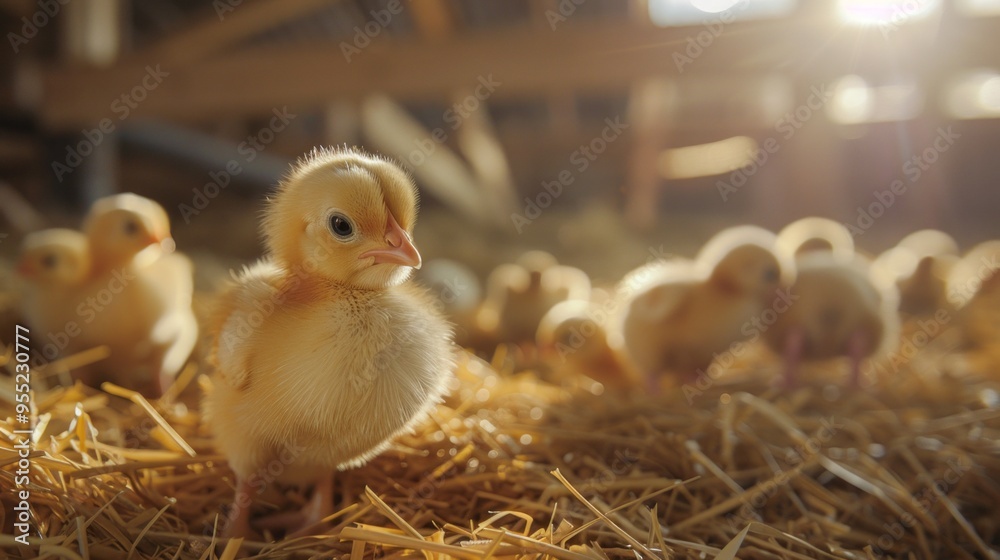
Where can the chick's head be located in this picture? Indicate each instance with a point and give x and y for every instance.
(120, 227)
(57, 257)
(346, 216)
(749, 270)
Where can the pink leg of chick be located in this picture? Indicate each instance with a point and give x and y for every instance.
(794, 344)
(857, 348)
(239, 524)
(320, 506)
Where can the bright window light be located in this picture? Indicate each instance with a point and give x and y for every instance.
(667, 13)
(974, 96)
(886, 12)
(703, 160)
(856, 102)
(979, 7)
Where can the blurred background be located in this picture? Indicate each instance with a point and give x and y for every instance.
(604, 131)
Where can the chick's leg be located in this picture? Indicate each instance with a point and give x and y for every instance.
(794, 343)
(320, 506)
(238, 525)
(857, 347)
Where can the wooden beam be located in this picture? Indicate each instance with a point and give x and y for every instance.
(434, 18)
(526, 62)
(394, 132)
(225, 26)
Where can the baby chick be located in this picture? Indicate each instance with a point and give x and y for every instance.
(919, 266)
(326, 333)
(137, 298)
(837, 311)
(574, 335)
(974, 288)
(519, 294)
(123, 226)
(53, 263)
(683, 314)
(811, 234)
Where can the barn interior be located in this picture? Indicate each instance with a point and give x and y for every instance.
(609, 134)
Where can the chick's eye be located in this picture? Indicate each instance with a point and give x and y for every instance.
(771, 274)
(341, 226)
(131, 228)
(49, 261)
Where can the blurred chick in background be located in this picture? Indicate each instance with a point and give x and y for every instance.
(137, 300)
(328, 328)
(974, 289)
(813, 234)
(52, 265)
(119, 285)
(459, 294)
(518, 295)
(919, 266)
(573, 335)
(837, 310)
(683, 315)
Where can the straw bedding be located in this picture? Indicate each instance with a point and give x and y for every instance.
(516, 464)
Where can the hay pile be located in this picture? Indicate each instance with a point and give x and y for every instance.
(513, 465)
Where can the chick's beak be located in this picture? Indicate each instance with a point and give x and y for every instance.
(400, 250)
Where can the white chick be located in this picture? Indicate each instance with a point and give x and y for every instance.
(683, 315)
(811, 234)
(837, 311)
(325, 352)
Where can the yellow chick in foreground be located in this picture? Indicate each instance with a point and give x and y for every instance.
(53, 263)
(574, 335)
(137, 298)
(325, 352)
(919, 266)
(974, 288)
(687, 313)
(813, 234)
(519, 294)
(836, 311)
